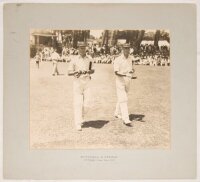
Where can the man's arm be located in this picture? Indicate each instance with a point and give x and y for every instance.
(90, 71)
(129, 74)
(71, 69)
(72, 73)
(58, 57)
(119, 74)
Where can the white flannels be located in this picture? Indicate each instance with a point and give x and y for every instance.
(123, 66)
(81, 87)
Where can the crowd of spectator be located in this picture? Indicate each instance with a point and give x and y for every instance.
(145, 55)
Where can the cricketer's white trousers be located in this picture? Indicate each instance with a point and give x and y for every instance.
(122, 86)
(55, 67)
(81, 94)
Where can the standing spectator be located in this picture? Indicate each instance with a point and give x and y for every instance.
(131, 51)
(64, 53)
(55, 57)
(37, 59)
(46, 53)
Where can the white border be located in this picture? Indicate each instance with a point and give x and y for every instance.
(99, 1)
(102, 1)
(1, 90)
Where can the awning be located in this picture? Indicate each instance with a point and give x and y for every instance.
(148, 42)
(121, 41)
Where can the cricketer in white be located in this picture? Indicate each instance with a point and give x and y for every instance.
(123, 68)
(81, 68)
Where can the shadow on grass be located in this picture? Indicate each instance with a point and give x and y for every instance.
(95, 124)
(137, 117)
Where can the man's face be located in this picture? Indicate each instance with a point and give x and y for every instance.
(126, 51)
(82, 51)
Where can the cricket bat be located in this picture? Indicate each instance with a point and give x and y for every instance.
(90, 65)
(133, 77)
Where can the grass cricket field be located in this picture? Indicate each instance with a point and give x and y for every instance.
(51, 110)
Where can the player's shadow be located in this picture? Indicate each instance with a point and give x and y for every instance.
(137, 117)
(94, 124)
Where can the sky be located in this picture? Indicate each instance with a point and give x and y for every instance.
(96, 33)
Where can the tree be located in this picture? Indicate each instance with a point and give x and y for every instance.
(140, 35)
(164, 35)
(156, 38)
(92, 37)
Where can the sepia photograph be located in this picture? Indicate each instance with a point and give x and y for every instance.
(99, 89)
